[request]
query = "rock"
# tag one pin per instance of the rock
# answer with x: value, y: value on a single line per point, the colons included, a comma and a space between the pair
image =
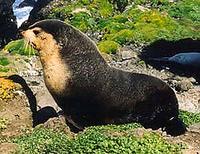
x: 189, y: 100
x: 183, y: 85
x: 127, y: 54
x: 57, y: 124
x: 194, y: 127
x: 40, y: 11
x: 27, y: 3
x: 8, y: 24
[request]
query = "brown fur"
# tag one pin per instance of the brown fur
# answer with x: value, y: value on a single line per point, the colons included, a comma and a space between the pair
x: 89, y: 91
x: 56, y: 72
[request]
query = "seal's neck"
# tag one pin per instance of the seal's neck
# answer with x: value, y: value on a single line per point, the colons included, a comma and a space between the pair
x: 57, y: 75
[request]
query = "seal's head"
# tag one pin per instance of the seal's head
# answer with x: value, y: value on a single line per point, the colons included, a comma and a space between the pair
x: 45, y: 35
x: 51, y: 33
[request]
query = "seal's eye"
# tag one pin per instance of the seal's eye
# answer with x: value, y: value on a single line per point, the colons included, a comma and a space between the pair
x: 36, y: 32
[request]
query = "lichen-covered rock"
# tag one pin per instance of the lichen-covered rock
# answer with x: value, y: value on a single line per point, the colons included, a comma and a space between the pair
x: 8, y: 25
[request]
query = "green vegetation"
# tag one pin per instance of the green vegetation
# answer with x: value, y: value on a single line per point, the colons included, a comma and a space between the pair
x: 162, y: 20
x: 19, y: 47
x: 43, y: 141
x: 186, y: 10
x: 109, y: 47
x: 4, y: 61
x: 103, y: 139
x: 189, y: 118
x: 4, y: 69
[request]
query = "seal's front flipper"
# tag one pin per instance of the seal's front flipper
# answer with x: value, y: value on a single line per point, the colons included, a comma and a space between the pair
x: 73, y: 125
x: 175, y: 127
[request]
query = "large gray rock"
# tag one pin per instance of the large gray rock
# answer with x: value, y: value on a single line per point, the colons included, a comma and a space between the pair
x: 8, y: 24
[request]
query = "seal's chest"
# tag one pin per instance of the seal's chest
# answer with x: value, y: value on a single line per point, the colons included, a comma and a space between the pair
x: 57, y: 78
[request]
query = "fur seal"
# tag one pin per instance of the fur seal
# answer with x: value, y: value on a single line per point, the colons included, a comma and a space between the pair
x: 189, y: 59
x: 90, y: 92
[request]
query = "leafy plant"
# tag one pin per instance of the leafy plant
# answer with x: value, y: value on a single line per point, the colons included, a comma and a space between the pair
x: 43, y: 141
x: 99, y: 139
x: 19, y: 47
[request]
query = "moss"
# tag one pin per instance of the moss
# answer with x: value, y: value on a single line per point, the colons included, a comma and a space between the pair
x: 153, y: 25
x: 160, y: 19
x: 104, y: 7
x: 19, y: 47
x: 122, y: 37
x: 114, y: 27
x: 185, y: 10
x: 146, y: 27
x: 109, y: 47
x: 99, y: 139
x: 189, y: 118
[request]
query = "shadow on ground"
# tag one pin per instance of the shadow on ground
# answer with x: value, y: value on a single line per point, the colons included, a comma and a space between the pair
x: 43, y: 114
